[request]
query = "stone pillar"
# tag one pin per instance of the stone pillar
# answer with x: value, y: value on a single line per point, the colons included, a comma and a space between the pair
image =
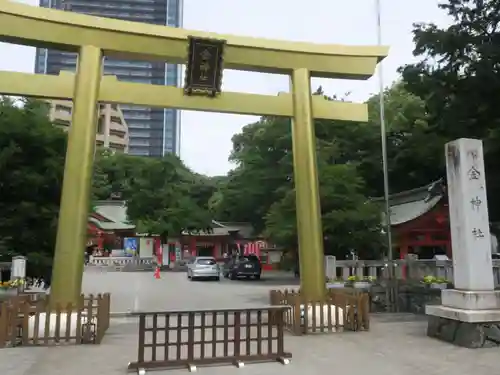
x: 331, y: 267
x: 469, y: 314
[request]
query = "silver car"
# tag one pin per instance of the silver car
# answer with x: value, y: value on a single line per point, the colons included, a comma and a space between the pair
x: 203, y: 268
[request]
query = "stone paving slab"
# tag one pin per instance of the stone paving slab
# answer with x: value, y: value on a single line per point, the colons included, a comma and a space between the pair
x: 396, y: 345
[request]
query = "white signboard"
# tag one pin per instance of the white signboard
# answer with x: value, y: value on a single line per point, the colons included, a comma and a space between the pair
x: 18, y: 270
x: 330, y: 267
x: 146, y: 247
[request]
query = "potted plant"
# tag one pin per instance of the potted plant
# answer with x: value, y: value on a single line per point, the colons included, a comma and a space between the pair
x: 10, y: 287
x: 337, y: 282
x: 359, y: 282
x: 434, y: 282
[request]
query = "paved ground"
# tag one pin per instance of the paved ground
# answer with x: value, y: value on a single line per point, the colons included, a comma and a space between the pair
x: 141, y: 292
x: 395, y: 345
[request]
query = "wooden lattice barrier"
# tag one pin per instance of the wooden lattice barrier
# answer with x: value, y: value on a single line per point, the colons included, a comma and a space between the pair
x: 337, y: 311
x: 25, y: 321
x: 173, y: 339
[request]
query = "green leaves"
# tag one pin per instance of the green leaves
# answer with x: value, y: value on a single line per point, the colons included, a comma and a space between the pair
x: 458, y: 77
x: 261, y: 189
x: 163, y: 196
x: 32, y: 155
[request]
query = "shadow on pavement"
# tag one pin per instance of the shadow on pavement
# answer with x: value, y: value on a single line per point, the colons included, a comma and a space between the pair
x: 270, y: 282
x: 397, y: 318
x: 273, y: 279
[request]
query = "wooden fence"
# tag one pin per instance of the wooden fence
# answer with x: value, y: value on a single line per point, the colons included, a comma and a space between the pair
x: 26, y: 321
x: 338, y: 311
x: 176, y: 339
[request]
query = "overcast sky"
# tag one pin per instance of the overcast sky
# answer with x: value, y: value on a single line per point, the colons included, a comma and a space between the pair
x: 206, y: 137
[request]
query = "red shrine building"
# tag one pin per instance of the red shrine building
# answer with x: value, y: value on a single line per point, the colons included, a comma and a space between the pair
x: 107, y: 225
x: 420, y: 222
x: 226, y: 238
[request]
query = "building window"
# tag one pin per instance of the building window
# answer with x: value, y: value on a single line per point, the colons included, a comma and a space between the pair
x: 100, y: 125
x: 117, y: 146
x: 137, y: 115
x: 138, y: 125
x: 127, y: 64
x: 139, y: 142
x: 63, y: 108
x: 117, y: 133
x: 62, y: 122
x: 139, y: 151
x: 139, y: 134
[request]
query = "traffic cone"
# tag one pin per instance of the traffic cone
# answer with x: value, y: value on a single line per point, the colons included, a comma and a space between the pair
x: 157, y: 273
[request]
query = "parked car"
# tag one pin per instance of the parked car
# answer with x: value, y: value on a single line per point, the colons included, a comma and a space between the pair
x: 203, y: 268
x: 248, y: 266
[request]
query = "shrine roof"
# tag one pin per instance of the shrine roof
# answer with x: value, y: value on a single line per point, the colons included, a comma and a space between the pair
x: 411, y: 204
x: 221, y: 228
x: 115, y: 212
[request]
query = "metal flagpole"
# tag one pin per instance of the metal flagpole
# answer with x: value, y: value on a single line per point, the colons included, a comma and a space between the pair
x: 383, y: 136
x: 391, y: 291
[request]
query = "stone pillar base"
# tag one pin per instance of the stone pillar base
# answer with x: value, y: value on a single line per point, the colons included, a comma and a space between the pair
x: 467, y: 335
x: 467, y: 328
x: 471, y: 300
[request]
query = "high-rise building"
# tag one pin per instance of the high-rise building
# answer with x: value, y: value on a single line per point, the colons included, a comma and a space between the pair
x: 152, y: 132
x: 112, y: 130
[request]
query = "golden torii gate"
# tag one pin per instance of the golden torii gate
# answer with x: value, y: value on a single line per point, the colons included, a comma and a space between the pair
x: 95, y: 37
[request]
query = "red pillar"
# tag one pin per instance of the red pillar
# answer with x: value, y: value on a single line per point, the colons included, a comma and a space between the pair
x: 217, y: 253
x: 158, y: 250
x: 192, y: 246
x: 100, y: 240
x: 403, y: 252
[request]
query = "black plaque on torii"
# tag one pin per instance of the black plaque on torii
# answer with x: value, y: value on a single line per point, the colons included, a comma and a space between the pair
x: 204, y: 66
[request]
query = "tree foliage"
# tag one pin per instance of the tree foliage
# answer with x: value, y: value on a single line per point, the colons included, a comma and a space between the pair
x: 458, y: 78
x: 163, y: 196
x: 261, y: 189
x: 32, y: 155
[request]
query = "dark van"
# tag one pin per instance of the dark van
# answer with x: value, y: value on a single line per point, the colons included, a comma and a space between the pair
x: 248, y: 266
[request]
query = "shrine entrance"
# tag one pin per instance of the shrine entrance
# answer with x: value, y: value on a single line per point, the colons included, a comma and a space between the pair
x: 206, y: 55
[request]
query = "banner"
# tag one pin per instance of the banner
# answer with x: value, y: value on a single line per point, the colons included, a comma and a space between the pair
x: 254, y: 248
x: 130, y: 246
x: 146, y: 247
x: 158, y: 251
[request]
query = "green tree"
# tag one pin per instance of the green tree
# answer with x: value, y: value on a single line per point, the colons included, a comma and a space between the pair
x: 263, y: 154
x: 115, y: 173
x: 350, y: 220
x: 32, y: 155
x: 205, y: 188
x: 458, y: 78
x: 163, y: 196
x: 261, y: 189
